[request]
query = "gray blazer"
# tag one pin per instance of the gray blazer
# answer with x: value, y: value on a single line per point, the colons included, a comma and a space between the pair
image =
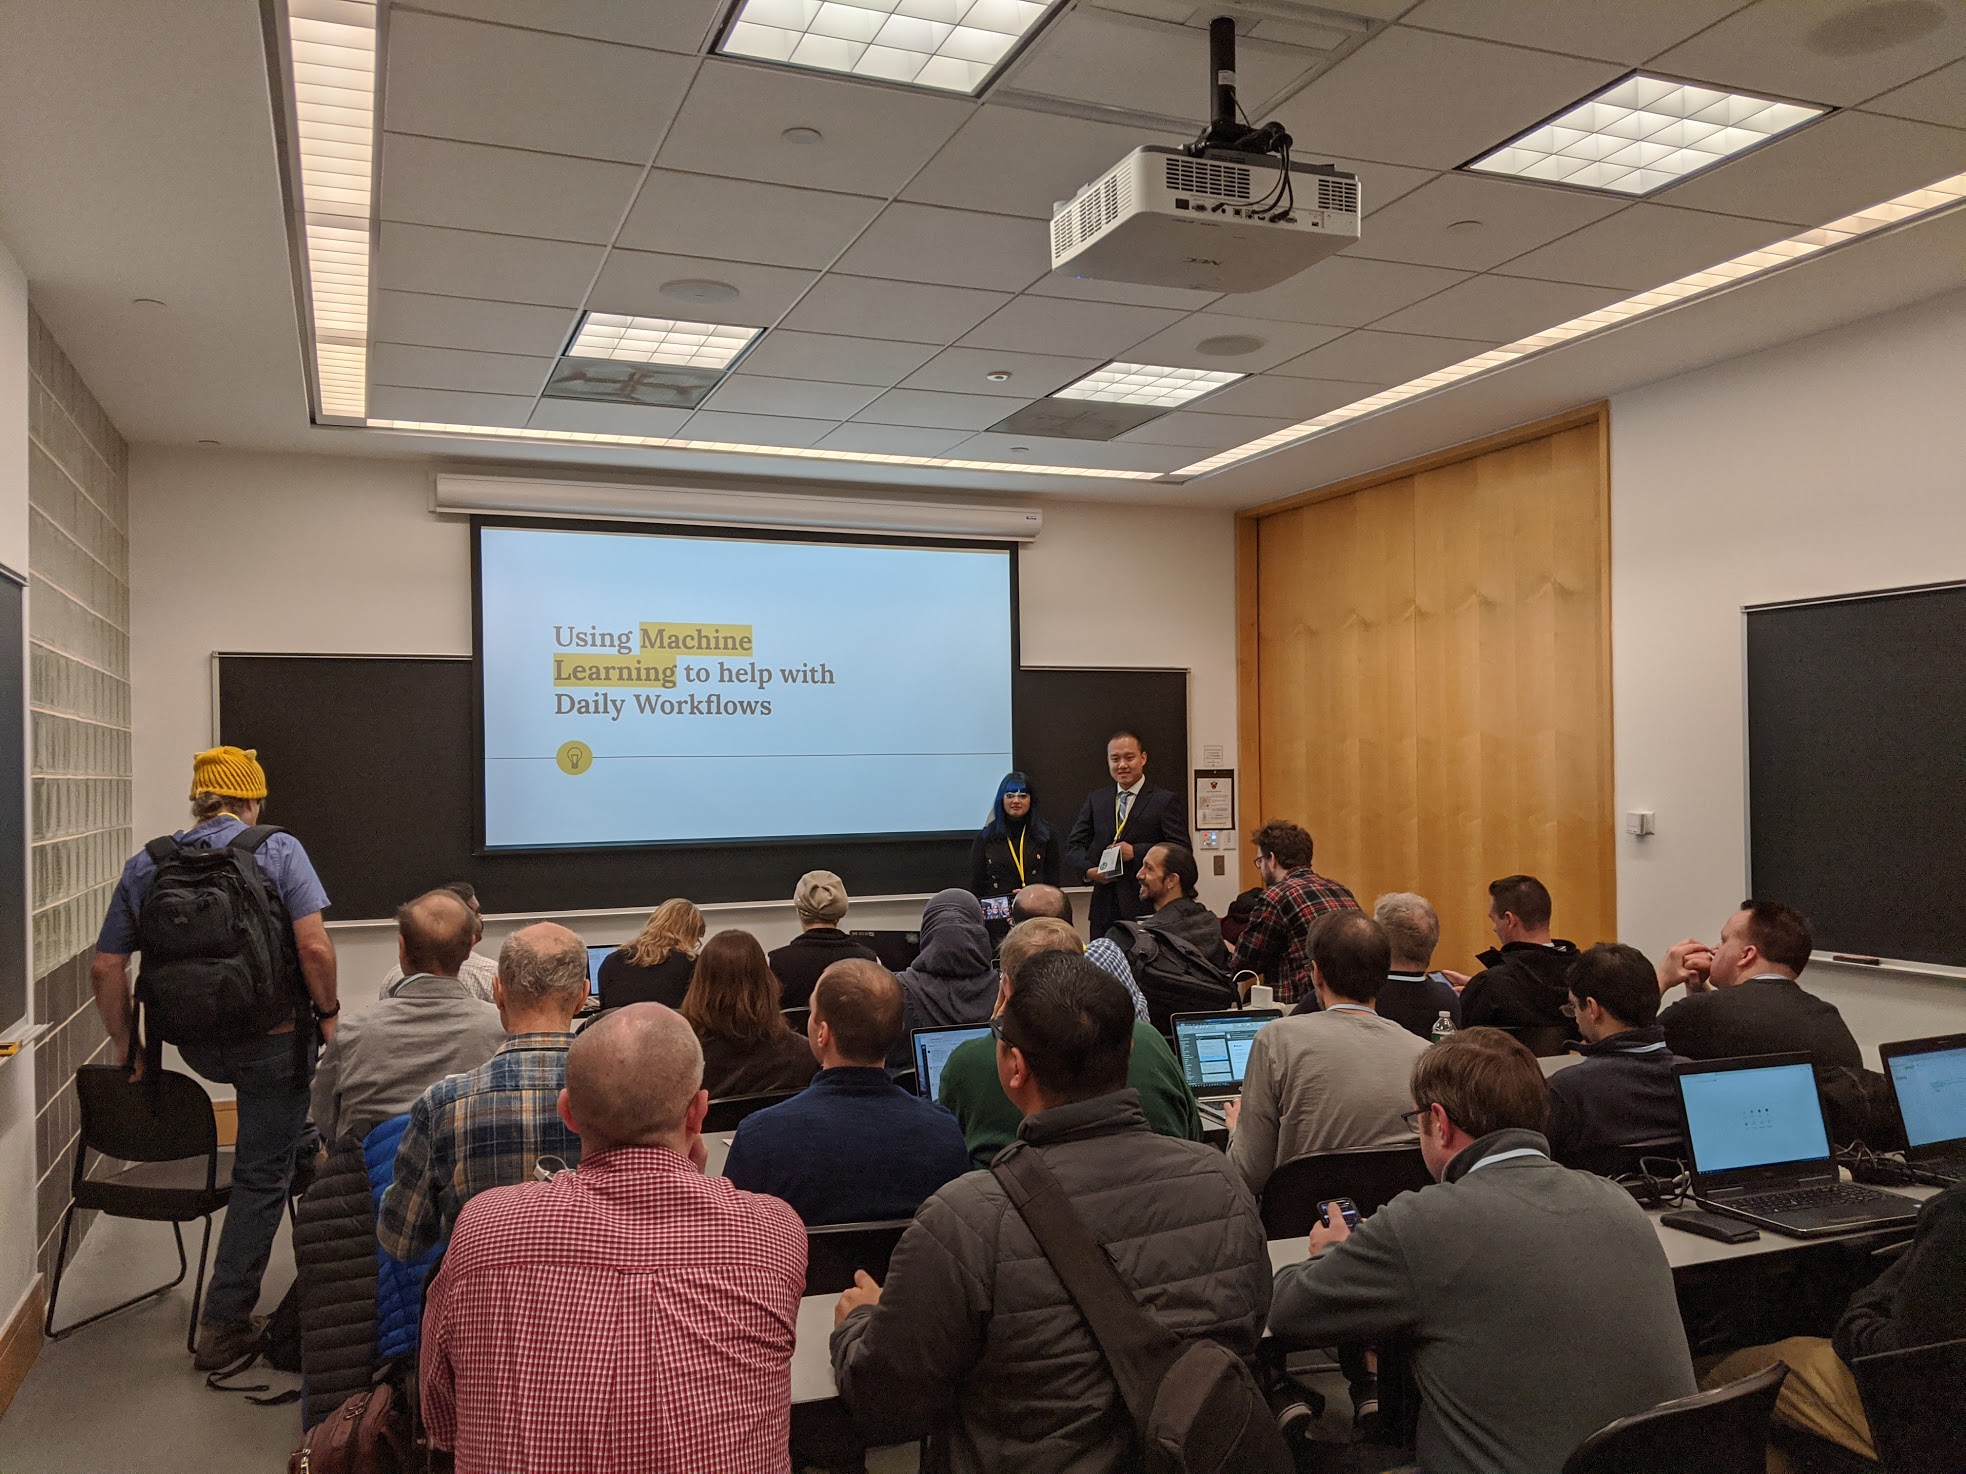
x: 382, y: 1058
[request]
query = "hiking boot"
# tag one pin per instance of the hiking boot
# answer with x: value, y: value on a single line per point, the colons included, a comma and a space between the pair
x: 220, y: 1346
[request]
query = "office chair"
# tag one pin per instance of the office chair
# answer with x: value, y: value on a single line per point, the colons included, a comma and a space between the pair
x: 164, y: 1126
x: 724, y: 1114
x: 1724, y: 1431
x: 835, y: 1251
x: 1915, y: 1401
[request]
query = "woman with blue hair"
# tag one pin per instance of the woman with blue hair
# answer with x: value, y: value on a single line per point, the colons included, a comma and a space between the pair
x: 1016, y: 848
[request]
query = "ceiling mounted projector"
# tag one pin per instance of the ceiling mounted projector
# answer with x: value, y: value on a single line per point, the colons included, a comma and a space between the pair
x: 1229, y: 212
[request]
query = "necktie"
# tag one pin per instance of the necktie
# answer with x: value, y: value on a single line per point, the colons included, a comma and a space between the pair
x: 1125, y: 807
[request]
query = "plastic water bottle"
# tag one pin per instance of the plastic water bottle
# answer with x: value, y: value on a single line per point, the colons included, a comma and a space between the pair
x: 1443, y: 1026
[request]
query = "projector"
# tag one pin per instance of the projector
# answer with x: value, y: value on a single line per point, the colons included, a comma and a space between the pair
x: 1213, y: 221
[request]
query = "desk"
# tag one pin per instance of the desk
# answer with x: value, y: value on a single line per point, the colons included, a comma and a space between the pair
x: 1551, y: 1063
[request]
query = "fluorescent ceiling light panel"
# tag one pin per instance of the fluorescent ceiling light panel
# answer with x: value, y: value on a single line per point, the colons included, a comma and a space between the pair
x: 659, y: 340
x: 1145, y: 383
x: 1943, y: 197
x: 948, y: 45
x: 332, y: 44
x: 1642, y: 134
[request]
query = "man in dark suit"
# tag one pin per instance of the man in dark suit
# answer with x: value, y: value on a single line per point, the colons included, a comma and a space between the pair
x: 1129, y: 814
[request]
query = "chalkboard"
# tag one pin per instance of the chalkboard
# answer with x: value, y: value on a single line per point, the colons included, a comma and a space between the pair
x: 1857, y: 769
x: 368, y: 761
x: 13, y: 809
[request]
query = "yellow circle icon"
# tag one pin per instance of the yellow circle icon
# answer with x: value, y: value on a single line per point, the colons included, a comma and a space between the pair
x: 574, y: 758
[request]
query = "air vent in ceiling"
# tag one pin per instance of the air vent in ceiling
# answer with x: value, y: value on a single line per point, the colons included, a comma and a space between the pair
x: 1077, y: 419
x: 613, y: 381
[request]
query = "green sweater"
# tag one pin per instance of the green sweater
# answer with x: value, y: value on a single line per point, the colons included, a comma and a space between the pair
x: 971, y: 1089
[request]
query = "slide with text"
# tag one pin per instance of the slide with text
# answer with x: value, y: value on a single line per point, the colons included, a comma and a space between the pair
x: 645, y: 688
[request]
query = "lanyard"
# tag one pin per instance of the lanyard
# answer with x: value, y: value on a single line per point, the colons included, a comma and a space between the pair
x: 1017, y: 853
x: 1119, y: 824
x: 1352, y: 1008
x: 1521, y: 1151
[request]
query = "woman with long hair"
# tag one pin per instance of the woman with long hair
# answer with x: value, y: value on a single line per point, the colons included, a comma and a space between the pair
x: 1015, y: 848
x: 748, y: 1048
x: 656, y: 966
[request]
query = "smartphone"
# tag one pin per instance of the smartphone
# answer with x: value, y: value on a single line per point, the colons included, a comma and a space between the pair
x: 1712, y: 1226
x: 1343, y: 1205
x: 996, y: 908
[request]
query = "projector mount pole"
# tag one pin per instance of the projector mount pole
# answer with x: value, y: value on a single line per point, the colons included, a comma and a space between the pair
x: 1226, y: 129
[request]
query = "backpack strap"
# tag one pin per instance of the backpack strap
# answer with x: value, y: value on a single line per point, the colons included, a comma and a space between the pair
x: 1189, y: 953
x: 249, y: 840
x: 162, y: 848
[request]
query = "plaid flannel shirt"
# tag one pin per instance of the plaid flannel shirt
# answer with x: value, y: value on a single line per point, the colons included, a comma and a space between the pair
x: 1277, y: 941
x: 485, y: 1128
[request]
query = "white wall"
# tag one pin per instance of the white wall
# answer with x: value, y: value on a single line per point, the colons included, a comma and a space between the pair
x: 1826, y: 466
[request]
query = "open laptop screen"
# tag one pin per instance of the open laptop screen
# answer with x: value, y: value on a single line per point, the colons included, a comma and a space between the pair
x: 1756, y: 1117
x: 595, y: 957
x: 1214, y: 1048
x: 932, y: 1050
x: 1931, y: 1090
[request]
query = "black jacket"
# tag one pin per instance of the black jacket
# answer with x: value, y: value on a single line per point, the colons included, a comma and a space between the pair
x: 1766, y: 1015
x: 334, y: 1261
x: 993, y: 868
x: 1157, y: 816
x: 1921, y: 1299
x: 798, y: 964
x: 1415, y: 1001
x: 624, y: 982
x: 1522, y: 991
x: 1622, y: 1091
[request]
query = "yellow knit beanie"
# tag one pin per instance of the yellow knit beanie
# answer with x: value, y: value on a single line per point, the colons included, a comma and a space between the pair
x: 229, y: 771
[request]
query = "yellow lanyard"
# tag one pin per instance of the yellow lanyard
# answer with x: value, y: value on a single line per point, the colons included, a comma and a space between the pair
x: 1119, y: 824
x: 1017, y: 853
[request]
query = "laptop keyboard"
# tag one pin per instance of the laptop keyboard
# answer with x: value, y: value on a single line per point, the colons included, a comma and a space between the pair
x: 1802, y: 1199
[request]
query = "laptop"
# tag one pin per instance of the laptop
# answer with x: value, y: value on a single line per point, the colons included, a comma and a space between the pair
x: 1214, y: 1052
x: 595, y: 957
x: 1760, y: 1150
x: 1928, y: 1081
x: 933, y: 1048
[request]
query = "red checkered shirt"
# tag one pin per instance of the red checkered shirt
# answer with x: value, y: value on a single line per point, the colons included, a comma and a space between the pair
x: 1277, y: 941
x: 629, y: 1317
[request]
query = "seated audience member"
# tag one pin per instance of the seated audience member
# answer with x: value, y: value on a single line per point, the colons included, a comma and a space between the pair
x: 1538, y: 1300
x: 1177, y: 919
x: 971, y: 1088
x: 1276, y: 940
x: 1920, y: 1300
x: 425, y: 1026
x: 1742, y: 996
x: 1623, y: 1090
x: 1048, y: 900
x: 1522, y: 990
x: 852, y: 1146
x: 820, y: 900
x: 973, y: 1341
x: 1413, y: 997
x: 632, y: 1314
x: 477, y: 971
x: 952, y: 979
x: 491, y: 1126
x: 1040, y: 900
x: 656, y: 966
x: 1330, y: 1081
x: 748, y: 1048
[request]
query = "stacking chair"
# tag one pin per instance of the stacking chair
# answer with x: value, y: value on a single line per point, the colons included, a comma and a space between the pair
x: 1915, y: 1402
x: 1369, y: 1179
x: 795, y: 1018
x: 835, y: 1251
x: 1724, y: 1431
x: 909, y: 1080
x: 165, y: 1128
x: 726, y: 1113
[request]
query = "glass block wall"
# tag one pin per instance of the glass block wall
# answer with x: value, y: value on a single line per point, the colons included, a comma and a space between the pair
x: 79, y: 696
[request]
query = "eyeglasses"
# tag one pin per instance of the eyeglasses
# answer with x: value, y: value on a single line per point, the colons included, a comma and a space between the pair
x: 997, y: 1033
x: 1568, y: 1010
x: 1412, y: 1117
x: 1017, y: 793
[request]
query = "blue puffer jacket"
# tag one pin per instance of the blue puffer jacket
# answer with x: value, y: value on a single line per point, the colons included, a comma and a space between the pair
x: 398, y: 1285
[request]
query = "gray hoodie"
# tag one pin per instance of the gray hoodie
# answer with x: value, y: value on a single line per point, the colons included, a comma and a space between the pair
x: 954, y: 979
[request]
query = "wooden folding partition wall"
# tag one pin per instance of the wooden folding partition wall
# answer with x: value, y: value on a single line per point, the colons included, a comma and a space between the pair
x: 1424, y: 659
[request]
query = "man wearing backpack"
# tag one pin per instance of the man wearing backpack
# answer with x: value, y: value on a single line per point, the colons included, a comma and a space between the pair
x: 1177, y: 954
x: 239, y: 974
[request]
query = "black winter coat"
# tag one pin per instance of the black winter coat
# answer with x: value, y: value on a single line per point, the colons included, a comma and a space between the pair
x: 334, y: 1257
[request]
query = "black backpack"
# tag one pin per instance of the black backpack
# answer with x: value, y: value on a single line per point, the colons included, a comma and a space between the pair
x: 1195, y: 1405
x: 219, y: 960
x: 1174, y: 975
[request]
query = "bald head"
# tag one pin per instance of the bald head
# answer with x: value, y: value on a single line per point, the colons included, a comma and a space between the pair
x: 543, y: 967
x: 632, y: 1078
x: 1040, y: 900
x: 437, y: 930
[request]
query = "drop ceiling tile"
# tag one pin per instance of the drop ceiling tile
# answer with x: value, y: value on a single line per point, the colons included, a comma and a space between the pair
x: 1046, y: 450
x: 873, y: 139
x: 1413, y: 97
x: 448, y: 406
x: 1822, y: 50
x: 834, y: 360
x: 633, y: 281
x: 463, y: 322
x: 1827, y: 170
x: 469, y: 186
x: 1471, y: 224
x: 1179, y: 346
x: 1062, y: 283
x: 892, y: 440
x: 505, y: 268
x: 1939, y: 98
x: 1017, y: 162
x: 451, y: 368
x: 931, y: 410
x: 1626, y: 33
x: 1054, y: 325
x: 581, y: 97
x: 742, y: 220
x: 672, y: 25
x: 1148, y: 66
x: 958, y: 248
x: 1500, y: 308
x: 732, y: 429
x: 1341, y: 291
x: 609, y: 419
x: 1203, y: 432
x: 1290, y: 400
x: 1378, y: 184
x: 753, y: 394
x: 1644, y: 245
x: 1032, y: 375
x: 859, y: 306
x: 1368, y: 356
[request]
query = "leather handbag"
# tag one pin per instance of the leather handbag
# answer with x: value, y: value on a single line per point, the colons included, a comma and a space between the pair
x: 370, y: 1433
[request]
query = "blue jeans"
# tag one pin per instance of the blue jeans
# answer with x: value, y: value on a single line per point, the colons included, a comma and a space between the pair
x: 272, y: 1090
